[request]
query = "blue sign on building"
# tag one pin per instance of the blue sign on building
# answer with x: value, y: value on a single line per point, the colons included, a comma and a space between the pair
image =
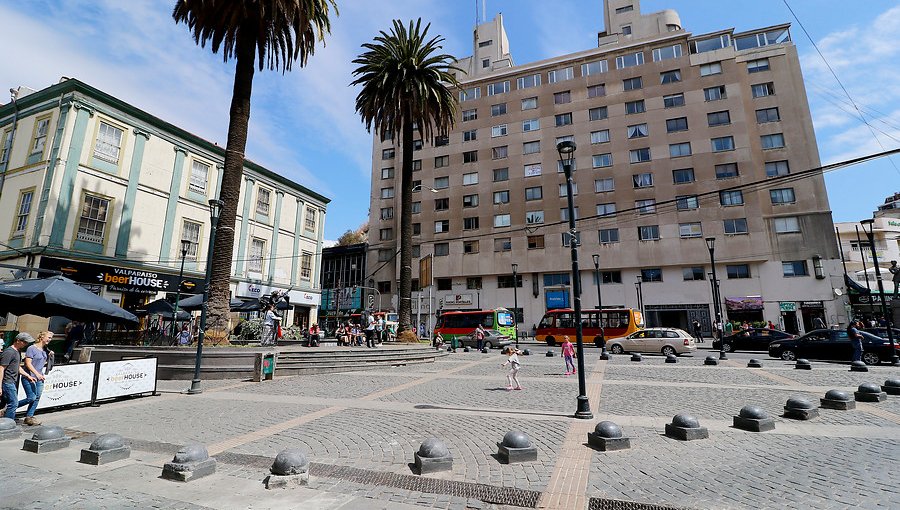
x: 557, y: 299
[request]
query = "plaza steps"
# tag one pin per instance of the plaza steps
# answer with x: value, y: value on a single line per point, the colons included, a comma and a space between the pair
x: 321, y: 360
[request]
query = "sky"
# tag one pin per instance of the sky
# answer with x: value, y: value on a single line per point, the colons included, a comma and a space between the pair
x: 303, y: 123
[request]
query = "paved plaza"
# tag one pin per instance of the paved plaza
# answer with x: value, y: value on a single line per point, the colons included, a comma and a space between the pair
x: 360, y: 430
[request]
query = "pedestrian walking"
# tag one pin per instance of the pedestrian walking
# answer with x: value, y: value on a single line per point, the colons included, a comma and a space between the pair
x: 271, y: 322
x: 10, y: 370
x: 856, y: 339
x: 895, y: 272
x: 379, y: 329
x: 513, y: 361
x: 698, y: 330
x: 36, y: 361
x: 74, y: 337
x: 729, y: 328
x: 568, y: 353
x: 370, y: 331
x: 422, y: 330
x: 479, y: 337
x: 438, y: 341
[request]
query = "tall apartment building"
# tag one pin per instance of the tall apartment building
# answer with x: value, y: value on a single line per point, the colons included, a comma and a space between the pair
x: 679, y: 137
x: 105, y: 192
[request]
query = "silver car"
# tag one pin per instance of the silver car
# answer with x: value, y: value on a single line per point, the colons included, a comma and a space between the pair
x: 662, y: 340
x: 492, y: 339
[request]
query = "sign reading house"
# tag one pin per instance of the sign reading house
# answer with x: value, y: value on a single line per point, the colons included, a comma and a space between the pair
x: 129, y: 377
x: 122, y: 279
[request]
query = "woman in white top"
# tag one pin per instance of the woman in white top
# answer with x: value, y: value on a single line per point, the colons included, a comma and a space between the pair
x: 513, y: 362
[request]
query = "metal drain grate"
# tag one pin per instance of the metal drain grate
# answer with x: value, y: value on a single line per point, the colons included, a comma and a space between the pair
x: 618, y: 504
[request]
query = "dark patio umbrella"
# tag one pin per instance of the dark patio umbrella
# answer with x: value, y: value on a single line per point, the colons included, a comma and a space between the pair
x: 165, y: 309
x: 195, y: 302
x: 59, y: 296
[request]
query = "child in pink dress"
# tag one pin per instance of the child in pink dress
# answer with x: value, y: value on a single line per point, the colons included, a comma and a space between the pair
x: 568, y: 352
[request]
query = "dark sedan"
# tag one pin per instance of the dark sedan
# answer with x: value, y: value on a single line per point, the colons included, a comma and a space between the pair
x: 831, y: 344
x: 754, y: 339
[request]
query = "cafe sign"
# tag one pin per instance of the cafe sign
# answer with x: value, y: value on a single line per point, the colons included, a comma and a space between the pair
x: 121, y: 279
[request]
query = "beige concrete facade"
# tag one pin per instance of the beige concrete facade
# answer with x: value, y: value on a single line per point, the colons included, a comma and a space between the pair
x: 665, y: 138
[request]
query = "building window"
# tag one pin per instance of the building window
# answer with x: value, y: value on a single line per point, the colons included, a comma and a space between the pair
x: 683, y: 175
x: 731, y: 197
x: 757, y: 40
x: 306, y: 266
x: 441, y: 182
x: 470, y: 156
x: 502, y: 244
x: 501, y: 174
x: 473, y: 283
x: 416, y: 207
x: 630, y: 60
x: 635, y: 83
x: 534, y: 193
x: 693, y: 273
x: 384, y: 287
x: 647, y: 206
x: 596, y: 90
x: 564, y: 191
x: 441, y: 204
x: 501, y: 87
x: 501, y: 220
x: 483, y: 44
x: 469, y: 94
x: 673, y: 100
x: 626, y: 29
x: 470, y: 200
x: 558, y: 75
x: 470, y: 178
x: 567, y: 239
x: 92, y: 224
x: 715, y: 93
x: 601, y: 160
x: 678, y: 150
x: 387, y: 192
x: 388, y: 173
x: 439, y: 162
x: 109, y: 143
x: 687, y: 202
x: 41, y: 127
x: 470, y: 135
x: 736, y: 226
x: 5, y: 145
x: 470, y: 247
x: 786, y: 225
x: 416, y: 187
x: 724, y: 143
x: 563, y: 119
x: 652, y: 274
x: 263, y: 198
x: 601, y: 136
x: 726, y: 171
x: 468, y: 115
x: 22, y: 212
x: 592, y: 68
x: 310, y: 219
x: 416, y: 253
x: 777, y: 168
x: 534, y: 217
x: 606, y: 209
x: 498, y: 109
x: 758, y: 66
x: 441, y: 226
x: 416, y: 165
x: 499, y: 130
x: 604, y: 185
x: 670, y: 77
x: 763, y: 89
x: 610, y: 277
x: 564, y: 214
x: 688, y: 230
x: 609, y: 235
x: 387, y: 213
x: 711, y: 68
x: 648, y: 233
x: 632, y: 107
x: 385, y: 234
x: 639, y: 155
x: 598, y: 113
x: 501, y: 197
x: 385, y: 255
x: 257, y: 254
x: 526, y: 82
x: 676, y: 125
x: 562, y: 97
x: 506, y: 281
x: 531, y: 125
x: 782, y: 196
x: 441, y: 249
x: 718, y: 118
x: 666, y: 53
x: 441, y: 140
x: 387, y: 154
x: 794, y: 268
x: 529, y: 103
x: 638, y: 131
x: 775, y: 141
x: 713, y: 43
x: 501, y: 152
x: 535, y: 242
x: 417, y: 229
x: 767, y: 115
x: 533, y: 170
x: 417, y: 145
x: 737, y: 271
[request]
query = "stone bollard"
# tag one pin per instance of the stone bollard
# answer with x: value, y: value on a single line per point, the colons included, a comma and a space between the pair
x: 516, y: 447
x: 891, y: 387
x: 671, y: 358
x: 607, y: 437
x: 711, y: 361
x: 290, y: 469
x: 526, y: 352
x: 191, y: 462
x: 636, y: 357
x: 433, y: 456
x: 800, y: 409
x: 754, y: 363
x: 550, y: 354
x: 9, y: 429
x: 465, y: 349
x: 858, y: 366
x: 47, y: 439
x: 837, y: 400
x: 869, y: 392
x: 753, y: 419
x: 484, y: 350
x: 802, y: 364
x: 686, y: 428
x: 106, y: 448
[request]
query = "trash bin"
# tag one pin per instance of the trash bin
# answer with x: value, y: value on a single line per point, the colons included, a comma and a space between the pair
x: 8, y: 337
x: 454, y: 342
x: 264, y: 366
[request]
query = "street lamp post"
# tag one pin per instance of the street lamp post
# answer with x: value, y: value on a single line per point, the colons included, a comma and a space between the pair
x: 603, y: 354
x: 185, y: 246
x: 515, y: 268
x: 215, y: 208
x: 639, y: 285
x: 870, y: 234
x: 711, y: 246
x: 566, y: 150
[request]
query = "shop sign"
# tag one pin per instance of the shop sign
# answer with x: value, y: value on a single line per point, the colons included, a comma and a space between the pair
x: 130, y: 377
x: 121, y: 279
x: 874, y: 299
x: 256, y: 290
x: 556, y: 299
x: 892, y: 223
x: 676, y: 307
x: 811, y: 304
x: 458, y: 299
x: 787, y: 306
x: 744, y: 303
x: 67, y: 385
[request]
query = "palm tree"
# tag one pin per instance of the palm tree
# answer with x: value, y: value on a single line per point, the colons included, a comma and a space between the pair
x: 405, y: 83
x: 280, y: 32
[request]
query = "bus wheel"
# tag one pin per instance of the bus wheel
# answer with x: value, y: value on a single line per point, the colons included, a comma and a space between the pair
x: 551, y: 341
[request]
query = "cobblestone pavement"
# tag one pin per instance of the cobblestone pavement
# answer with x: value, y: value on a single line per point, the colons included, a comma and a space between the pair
x: 360, y: 430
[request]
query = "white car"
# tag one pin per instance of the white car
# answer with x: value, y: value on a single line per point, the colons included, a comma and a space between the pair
x: 663, y: 340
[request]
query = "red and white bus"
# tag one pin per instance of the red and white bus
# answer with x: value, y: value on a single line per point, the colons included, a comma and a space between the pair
x: 616, y: 322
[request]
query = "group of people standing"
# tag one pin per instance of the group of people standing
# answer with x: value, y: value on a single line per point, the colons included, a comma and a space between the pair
x: 373, y: 329
x: 38, y: 363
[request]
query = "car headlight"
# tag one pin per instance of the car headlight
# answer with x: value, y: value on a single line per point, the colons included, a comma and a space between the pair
x: 774, y: 346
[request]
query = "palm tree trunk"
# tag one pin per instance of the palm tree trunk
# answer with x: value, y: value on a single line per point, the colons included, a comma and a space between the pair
x: 239, y: 117
x: 405, y: 311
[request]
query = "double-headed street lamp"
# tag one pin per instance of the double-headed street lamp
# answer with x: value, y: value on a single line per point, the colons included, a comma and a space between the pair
x: 711, y: 246
x: 603, y: 354
x: 215, y: 209
x: 185, y: 247
x: 870, y: 234
x: 515, y: 268
x: 566, y: 150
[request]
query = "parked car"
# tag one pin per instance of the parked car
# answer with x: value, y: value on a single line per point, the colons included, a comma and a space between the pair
x: 662, y: 340
x: 882, y: 332
x: 831, y: 344
x: 492, y: 338
x: 754, y: 339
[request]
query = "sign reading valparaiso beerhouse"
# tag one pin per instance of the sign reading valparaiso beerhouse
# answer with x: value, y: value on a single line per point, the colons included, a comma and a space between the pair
x: 122, y: 279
